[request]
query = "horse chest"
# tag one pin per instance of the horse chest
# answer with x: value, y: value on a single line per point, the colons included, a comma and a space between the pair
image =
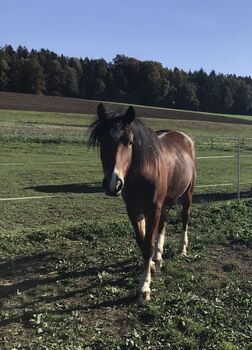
x: 140, y: 190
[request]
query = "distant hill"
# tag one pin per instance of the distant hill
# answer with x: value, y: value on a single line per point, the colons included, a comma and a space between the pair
x: 28, y: 102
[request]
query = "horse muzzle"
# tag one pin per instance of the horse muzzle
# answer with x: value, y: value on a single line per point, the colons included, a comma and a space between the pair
x: 113, y: 187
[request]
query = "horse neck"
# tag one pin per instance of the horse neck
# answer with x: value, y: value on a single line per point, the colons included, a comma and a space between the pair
x: 142, y: 168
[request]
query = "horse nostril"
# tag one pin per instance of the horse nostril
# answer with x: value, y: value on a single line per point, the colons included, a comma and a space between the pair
x: 119, y: 185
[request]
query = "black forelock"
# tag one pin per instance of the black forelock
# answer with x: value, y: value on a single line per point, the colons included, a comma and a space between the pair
x: 146, y: 144
x: 101, y: 128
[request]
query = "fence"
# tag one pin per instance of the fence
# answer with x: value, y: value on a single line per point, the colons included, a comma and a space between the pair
x: 230, y: 160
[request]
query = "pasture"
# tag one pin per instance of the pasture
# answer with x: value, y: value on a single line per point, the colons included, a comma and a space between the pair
x: 69, y: 263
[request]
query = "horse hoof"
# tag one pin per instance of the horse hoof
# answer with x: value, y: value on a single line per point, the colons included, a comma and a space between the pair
x: 183, y: 253
x: 159, y: 263
x: 144, y: 297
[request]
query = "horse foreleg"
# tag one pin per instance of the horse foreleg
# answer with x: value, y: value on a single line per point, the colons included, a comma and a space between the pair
x: 138, y: 223
x: 152, y: 223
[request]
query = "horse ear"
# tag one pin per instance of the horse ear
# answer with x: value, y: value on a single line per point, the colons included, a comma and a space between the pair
x: 101, y: 111
x: 130, y: 115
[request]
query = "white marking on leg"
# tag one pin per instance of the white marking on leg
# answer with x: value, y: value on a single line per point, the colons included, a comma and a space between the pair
x: 184, y: 242
x: 142, y: 226
x: 159, y: 247
x: 145, y: 282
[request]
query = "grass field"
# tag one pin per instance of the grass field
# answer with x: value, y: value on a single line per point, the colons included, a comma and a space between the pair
x: 69, y: 265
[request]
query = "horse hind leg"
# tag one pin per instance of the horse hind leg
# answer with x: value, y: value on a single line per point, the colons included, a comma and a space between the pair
x: 186, y: 202
x: 159, y: 245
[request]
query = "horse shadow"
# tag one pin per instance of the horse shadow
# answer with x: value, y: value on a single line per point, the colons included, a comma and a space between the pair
x: 95, y: 187
x: 219, y: 196
x: 29, y: 275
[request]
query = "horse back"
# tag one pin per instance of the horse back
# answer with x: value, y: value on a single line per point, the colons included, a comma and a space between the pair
x: 177, y: 141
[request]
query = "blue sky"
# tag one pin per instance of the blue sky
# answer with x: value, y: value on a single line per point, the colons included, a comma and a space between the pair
x: 188, y: 34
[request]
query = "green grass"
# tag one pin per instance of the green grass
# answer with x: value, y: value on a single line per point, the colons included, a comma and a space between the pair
x: 69, y: 263
x: 201, y: 128
x: 49, y: 118
x: 73, y: 286
x: 38, y: 122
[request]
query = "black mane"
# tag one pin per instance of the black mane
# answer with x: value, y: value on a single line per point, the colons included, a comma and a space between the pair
x: 146, y: 144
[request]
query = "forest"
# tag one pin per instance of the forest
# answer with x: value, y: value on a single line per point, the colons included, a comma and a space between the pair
x: 125, y: 79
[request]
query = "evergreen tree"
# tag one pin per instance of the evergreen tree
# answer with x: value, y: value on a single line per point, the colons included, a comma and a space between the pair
x: 242, y: 98
x: 70, y: 83
x: 4, y: 67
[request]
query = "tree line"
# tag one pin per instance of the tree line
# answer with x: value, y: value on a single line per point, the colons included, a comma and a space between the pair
x: 125, y: 79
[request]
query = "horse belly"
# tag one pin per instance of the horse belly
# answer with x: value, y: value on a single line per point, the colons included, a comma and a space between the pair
x: 180, y: 178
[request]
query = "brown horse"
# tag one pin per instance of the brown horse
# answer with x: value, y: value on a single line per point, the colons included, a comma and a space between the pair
x: 150, y: 169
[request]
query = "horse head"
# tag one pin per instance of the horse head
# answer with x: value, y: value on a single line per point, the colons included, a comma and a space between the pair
x: 114, y: 135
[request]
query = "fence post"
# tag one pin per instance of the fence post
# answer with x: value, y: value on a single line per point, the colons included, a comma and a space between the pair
x: 238, y: 168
